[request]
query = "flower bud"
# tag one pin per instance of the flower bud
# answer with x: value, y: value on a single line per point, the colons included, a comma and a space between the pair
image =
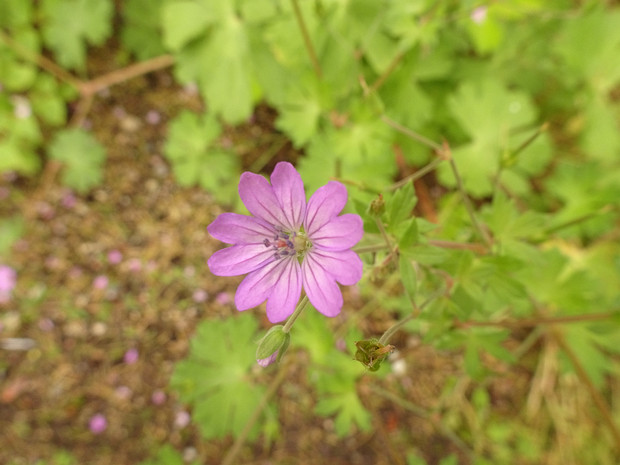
x: 272, y: 346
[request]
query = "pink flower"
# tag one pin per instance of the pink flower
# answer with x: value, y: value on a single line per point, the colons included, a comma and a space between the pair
x: 479, y: 14
x: 115, y: 257
x: 131, y: 356
x: 100, y: 282
x: 8, y: 279
x: 288, y: 245
x: 98, y: 423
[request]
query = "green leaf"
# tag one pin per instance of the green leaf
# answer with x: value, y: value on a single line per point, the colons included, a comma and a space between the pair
x: 21, y: 138
x: 166, y: 455
x: 11, y: 229
x: 47, y: 102
x: 220, y: 62
x: 196, y: 159
x: 590, y: 44
x: 15, y: 13
x: 184, y: 21
x: 141, y: 33
x: 489, y: 113
x: 408, y: 277
x: 15, y: 74
x: 588, y: 345
x: 214, y: 377
x: 301, y: 109
x: 399, y: 206
x: 83, y: 158
x: 348, y: 409
x: 70, y: 25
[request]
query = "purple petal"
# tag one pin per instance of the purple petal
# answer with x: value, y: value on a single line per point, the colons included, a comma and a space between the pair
x: 260, y: 200
x: 265, y: 362
x: 289, y: 190
x: 324, y: 205
x: 257, y: 286
x: 239, y: 259
x: 232, y: 228
x: 341, y: 233
x: 321, y: 287
x: 285, y: 294
x: 345, y: 265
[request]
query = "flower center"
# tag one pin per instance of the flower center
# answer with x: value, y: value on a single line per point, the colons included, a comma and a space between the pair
x: 286, y: 245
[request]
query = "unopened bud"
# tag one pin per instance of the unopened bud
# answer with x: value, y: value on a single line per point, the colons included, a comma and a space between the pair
x: 272, y: 346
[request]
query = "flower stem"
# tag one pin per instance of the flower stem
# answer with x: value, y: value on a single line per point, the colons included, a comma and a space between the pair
x: 417, y: 175
x: 395, y: 327
x: 468, y: 205
x: 414, y: 135
x: 307, y: 41
x: 300, y: 307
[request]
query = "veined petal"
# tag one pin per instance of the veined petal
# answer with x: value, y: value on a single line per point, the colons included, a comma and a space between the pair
x: 259, y: 198
x: 233, y: 228
x: 321, y: 287
x: 341, y: 233
x: 344, y: 265
x: 324, y: 205
x: 289, y: 190
x: 257, y: 286
x: 239, y: 259
x: 285, y: 293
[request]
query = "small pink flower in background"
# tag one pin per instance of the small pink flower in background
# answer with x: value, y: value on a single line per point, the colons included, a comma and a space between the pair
x: 134, y: 265
x: 158, y: 397
x: 100, y: 282
x: 223, y: 298
x: 68, y: 200
x: 131, y: 356
x: 115, y: 257
x: 479, y: 14
x: 288, y: 244
x: 182, y: 419
x: 98, y: 424
x: 8, y: 280
x: 123, y: 392
x: 200, y: 296
x: 4, y: 193
x: 153, y: 117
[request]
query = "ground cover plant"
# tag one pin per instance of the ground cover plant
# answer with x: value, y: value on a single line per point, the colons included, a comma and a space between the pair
x: 419, y: 215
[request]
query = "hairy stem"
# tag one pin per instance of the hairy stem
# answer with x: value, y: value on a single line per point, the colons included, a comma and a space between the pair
x: 532, y: 322
x: 121, y: 75
x: 468, y: 205
x: 417, y: 175
x: 414, y: 135
x: 41, y: 61
x: 306, y: 37
x: 300, y: 307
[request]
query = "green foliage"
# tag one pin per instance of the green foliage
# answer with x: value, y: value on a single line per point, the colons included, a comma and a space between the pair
x: 82, y: 157
x: 166, y: 455
x: 141, y: 33
x: 90, y: 24
x: 196, y: 158
x: 214, y: 377
x: 333, y: 374
x: 11, y: 229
